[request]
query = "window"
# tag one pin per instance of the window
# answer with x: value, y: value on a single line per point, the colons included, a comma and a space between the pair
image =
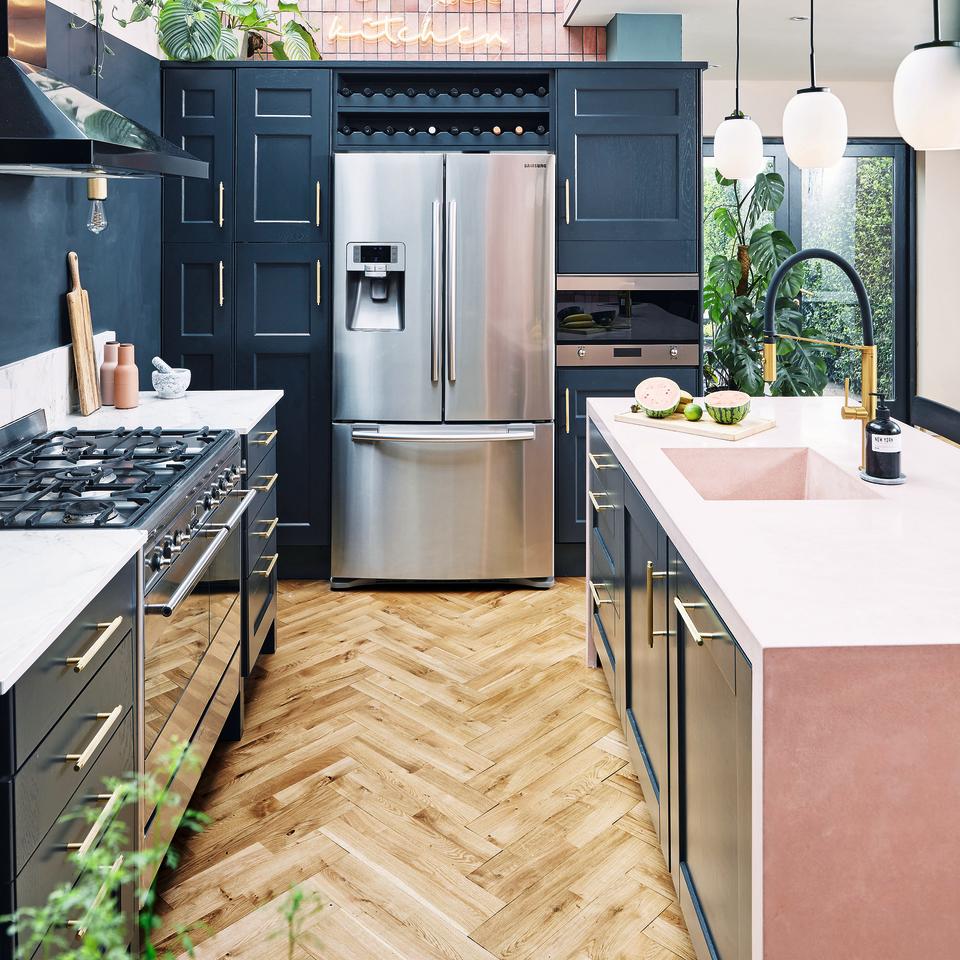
x: 859, y: 209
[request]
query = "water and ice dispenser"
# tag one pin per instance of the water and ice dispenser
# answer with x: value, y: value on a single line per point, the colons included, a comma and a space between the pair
x: 375, y: 274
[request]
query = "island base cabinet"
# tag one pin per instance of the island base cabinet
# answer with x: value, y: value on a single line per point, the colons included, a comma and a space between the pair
x: 714, y: 741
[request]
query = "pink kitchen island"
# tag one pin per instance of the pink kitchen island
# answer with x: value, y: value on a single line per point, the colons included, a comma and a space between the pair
x: 782, y: 641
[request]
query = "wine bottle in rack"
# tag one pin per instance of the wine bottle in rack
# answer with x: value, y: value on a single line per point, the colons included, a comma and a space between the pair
x: 518, y: 130
x: 432, y: 92
x: 455, y: 131
x: 390, y: 92
x: 476, y: 131
x: 497, y: 131
x: 497, y: 92
x: 346, y: 92
x: 518, y: 92
x: 412, y: 131
x: 475, y: 92
x: 432, y: 130
x: 368, y: 91
x: 454, y: 92
x: 541, y: 91
x: 541, y: 129
x: 346, y: 129
x: 389, y: 131
x: 411, y: 92
x: 368, y: 130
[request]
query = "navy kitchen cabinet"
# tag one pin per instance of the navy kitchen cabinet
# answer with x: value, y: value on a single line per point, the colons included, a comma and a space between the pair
x: 199, y: 116
x: 283, y: 155
x: 197, y: 312
x: 574, y: 386
x: 628, y: 170
x: 283, y: 342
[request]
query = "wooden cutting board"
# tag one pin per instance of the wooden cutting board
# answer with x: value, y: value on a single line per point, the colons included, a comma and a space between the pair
x: 751, y: 424
x: 81, y: 332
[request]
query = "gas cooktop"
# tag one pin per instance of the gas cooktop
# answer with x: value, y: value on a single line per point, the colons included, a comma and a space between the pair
x: 73, y: 477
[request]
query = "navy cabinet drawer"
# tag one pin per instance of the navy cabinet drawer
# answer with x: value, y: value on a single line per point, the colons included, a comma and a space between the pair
x: 262, y: 583
x: 261, y: 527
x: 42, y: 694
x: 263, y: 478
x: 260, y: 441
x: 47, y: 781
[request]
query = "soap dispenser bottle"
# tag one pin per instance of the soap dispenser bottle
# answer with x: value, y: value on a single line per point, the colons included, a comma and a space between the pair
x: 883, y: 447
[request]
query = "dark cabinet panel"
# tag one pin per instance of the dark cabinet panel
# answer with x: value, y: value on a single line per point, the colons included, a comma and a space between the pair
x: 628, y: 169
x: 574, y: 386
x: 283, y: 155
x: 198, y: 115
x: 283, y: 342
x: 198, y: 310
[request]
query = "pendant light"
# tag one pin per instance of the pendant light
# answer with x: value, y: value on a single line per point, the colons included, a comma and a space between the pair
x: 738, y: 143
x: 814, y: 122
x: 926, y: 93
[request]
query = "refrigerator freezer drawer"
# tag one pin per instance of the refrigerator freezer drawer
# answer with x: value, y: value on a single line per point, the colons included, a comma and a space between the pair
x: 442, y: 501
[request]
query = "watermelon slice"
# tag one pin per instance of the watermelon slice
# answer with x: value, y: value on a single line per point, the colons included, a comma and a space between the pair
x: 727, y: 406
x: 658, y: 397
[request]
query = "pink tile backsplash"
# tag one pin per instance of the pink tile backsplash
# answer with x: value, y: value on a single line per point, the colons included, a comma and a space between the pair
x: 530, y: 30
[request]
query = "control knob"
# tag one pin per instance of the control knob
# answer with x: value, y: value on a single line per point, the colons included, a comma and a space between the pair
x: 158, y: 561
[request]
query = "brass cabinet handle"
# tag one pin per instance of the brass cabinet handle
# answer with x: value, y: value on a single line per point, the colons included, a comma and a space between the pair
x: 596, y: 596
x: 567, y: 395
x: 80, y: 760
x: 221, y: 283
x: 318, y: 283
x: 268, y: 486
x: 221, y: 205
x: 80, y: 663
x: 682, y: 609
x: 596, y: 503
x: 273, y: 562
x: 597, y: 465
x: 86, y: 845
x: 651, y: 576
x: 566, y: 189
x: 270, y: 437
x: 318, y: 203
x: 81, y: 925
x: 271, y: 526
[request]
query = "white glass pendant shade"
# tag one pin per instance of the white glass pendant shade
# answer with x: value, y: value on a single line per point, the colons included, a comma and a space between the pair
x: 926, y: 98
x: 815, y: 129
x: 738, y: 148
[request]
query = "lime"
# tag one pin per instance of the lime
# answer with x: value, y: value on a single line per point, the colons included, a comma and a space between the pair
x: 693, y: 411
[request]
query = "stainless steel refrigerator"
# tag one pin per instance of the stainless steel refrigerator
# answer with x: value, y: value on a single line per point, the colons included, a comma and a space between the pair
x: 443, y: 381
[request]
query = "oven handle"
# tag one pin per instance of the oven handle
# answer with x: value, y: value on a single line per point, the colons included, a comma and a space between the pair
x: 186, y: 588
x: 248, y: 497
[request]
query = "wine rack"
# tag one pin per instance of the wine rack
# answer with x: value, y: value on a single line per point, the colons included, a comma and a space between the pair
x: 449, y: 110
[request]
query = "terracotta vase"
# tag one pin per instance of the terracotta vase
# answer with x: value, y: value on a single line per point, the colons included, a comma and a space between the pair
x: 107, y: 370
x: 126, y: 379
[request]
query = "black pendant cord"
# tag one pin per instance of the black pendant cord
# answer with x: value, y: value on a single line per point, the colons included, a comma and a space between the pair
x: 937, y: 40
x: 936, y: 21
x: 736, y: 108
x: 813, y: 56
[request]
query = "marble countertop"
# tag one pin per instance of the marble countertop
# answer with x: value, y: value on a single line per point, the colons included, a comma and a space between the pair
x: 47, y: 577
x: 807, y: 573
x: 239, y: 410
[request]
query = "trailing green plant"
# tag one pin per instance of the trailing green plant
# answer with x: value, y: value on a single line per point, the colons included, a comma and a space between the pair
x: 215, y: 29
x: 85, y: 920
x: 735, y: 292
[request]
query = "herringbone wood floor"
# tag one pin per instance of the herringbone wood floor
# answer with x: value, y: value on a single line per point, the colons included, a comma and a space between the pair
x: 445, y: 777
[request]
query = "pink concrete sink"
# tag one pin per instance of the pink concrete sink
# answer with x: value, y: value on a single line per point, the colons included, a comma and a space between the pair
x: 766, y: 473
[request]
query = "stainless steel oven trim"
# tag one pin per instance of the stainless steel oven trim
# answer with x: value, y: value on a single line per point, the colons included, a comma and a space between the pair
x: 199, y: 568
x: 630, y: 281
x: 651, y: 355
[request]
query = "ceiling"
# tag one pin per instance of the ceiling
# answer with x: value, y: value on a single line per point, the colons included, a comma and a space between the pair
x: 855, y: 39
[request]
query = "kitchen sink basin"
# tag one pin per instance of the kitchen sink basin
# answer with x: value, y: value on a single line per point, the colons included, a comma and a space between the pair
x: 766, y: 473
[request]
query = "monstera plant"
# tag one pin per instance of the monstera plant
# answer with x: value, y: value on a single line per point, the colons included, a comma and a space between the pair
x: 224, y: 29
x: 735, y: 292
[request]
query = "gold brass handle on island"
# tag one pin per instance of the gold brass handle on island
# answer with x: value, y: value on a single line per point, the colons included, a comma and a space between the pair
x: 318, y: 283
x: 220, y: 298
x: 268, y: 486
x: 81, y: 925
x: 597, y: 465
x: 651, y: 576
x: 682, y: 609
x: 80, y: 760
x: 80, y: 663
x: 268, y: 439
x: 86, y: 845
x: 273, y: 562
x: 220, y: 216
x: 318, y: 204
x: 596, y: 595
x: 566, y: 193
x: 271, y: 526
x: 596, y: 503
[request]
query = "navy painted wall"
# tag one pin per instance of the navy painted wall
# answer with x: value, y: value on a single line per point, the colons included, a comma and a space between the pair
x: 42, y: 218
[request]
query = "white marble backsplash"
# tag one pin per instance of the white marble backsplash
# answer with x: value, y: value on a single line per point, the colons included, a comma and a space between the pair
x: 45, y: 380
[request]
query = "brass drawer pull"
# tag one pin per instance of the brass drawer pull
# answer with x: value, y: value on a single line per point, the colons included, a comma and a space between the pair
x: 682, y: 609
x: 270, y: 566
x: 318, y: 203
x: 80, y: 663
x: 318, y: 283
x: 270, y: 437
x: 81, y: 925
x: 221, y: 204
x: 268, y: 486
x: 597, y: 465
x: 566, y: 190
x: 86, y: 845
x: 271, y: 526
x: 651, y: 576
x: 596, y: 595
x: 221, y: 284
x: 596, y: 503
x: 567, y: 393
x: 80, y: 760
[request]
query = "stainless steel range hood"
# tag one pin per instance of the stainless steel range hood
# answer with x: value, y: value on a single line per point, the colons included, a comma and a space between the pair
x: 49, y: 128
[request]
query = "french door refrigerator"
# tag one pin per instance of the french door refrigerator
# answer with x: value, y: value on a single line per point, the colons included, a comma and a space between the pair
x: 443, y: 379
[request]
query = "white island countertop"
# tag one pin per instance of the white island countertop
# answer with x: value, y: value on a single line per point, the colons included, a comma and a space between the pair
x: 807, y: 573
x: 47, y: 577
x: 239, y: 410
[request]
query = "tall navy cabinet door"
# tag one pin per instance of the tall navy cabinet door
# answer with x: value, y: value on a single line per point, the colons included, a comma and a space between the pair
x: 283, y: 155
x: 283, y: 321
x: 574, y: 386
x: 198, y: 115
x: 198, y: 309
x: 628, y: 170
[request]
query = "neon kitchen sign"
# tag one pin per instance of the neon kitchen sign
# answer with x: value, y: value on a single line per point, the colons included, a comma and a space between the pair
x: 396, y: 31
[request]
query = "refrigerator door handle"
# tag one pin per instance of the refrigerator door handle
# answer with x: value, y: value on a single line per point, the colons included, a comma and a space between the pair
x: 437, y: 296
x: 463, y: 436
x: 452, y: 291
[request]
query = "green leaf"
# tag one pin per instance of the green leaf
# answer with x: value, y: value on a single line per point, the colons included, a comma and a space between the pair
x: 722, y: 180
x: 189, y: 29
x: 723, y: 272
x: 293, y: 7
x: 297, y: 43
x: 278, y: 51
x: 769, y: 191
x: 238, y: 10
x: 769, y: 247
x: 229, y: 46
x: 725, y: 220
x: 140, y: 12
